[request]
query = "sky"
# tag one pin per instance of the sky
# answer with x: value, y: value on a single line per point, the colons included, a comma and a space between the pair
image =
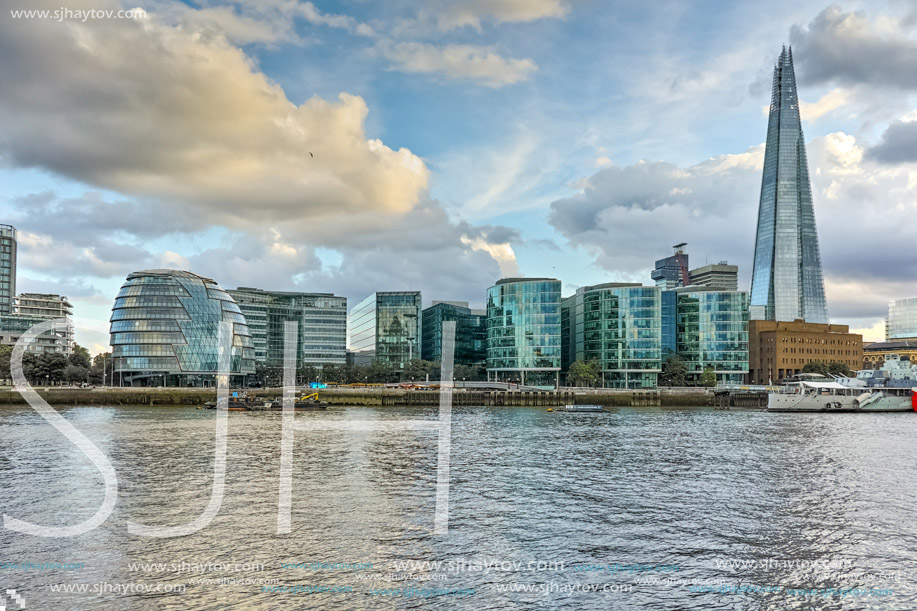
x: 356, y: 146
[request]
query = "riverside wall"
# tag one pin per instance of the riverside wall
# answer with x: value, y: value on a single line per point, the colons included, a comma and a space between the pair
x: 374, y: 397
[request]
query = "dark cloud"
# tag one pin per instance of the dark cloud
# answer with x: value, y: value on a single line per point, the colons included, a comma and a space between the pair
x: 848, y: 49
x: 898, y: 144
x: 499, y: 234
x: 628, y: 216
x: 85, y: 218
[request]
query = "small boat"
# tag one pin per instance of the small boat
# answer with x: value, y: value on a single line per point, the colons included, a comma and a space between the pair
x: 237, y: 403
x: 584, y: 408
x: 310, y: 403
x: 305, y: 403
x: 245, y: 403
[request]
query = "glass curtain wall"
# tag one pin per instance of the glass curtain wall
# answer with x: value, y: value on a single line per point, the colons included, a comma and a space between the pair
x: 165, y: 330
x: 524, y: 331
x: 713, y: 332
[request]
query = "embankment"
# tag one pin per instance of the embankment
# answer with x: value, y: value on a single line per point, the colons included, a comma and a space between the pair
x: 371, y: 397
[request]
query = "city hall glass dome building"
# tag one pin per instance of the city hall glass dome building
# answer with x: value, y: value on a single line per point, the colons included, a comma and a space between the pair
x: 165, y: 330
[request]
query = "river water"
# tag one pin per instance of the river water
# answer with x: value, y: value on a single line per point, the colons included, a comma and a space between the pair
x: 642, y: 508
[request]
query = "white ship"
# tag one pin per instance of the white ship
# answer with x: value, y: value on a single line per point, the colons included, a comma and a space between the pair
x: 893, y: 388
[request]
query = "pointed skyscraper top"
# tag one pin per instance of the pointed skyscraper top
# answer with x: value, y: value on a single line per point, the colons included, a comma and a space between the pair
x: 787, y: 280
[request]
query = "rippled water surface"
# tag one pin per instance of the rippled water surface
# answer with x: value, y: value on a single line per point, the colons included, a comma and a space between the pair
x: 682, y: 500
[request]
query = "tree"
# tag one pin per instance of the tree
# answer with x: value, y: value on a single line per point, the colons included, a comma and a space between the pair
x: 100, y: 372
x: 50, y: 367
x: 30, y: 366
x: 79, y: 357
x: 839, y: 369
x: 380, y: 371
x: 5, y: 353
x: 75, y: 374
x: 708, y: 377
x: 674, y: 372
x: 418, y: 370
x: 469, y: 373
x: 583, y: 373
x: 819, y: 367
x: 268, y: 375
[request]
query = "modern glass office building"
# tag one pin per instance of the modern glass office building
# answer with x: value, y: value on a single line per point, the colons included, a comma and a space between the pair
x: 712, y: 331
x: 523, y: 331
x: 619, y: 327
x: 386, y: 327
x: 8, y: 246
x: 787, y: 281
x: 470, y: 332
x: 321, y: 319
x: 902, y: 319
x: 165, y: 330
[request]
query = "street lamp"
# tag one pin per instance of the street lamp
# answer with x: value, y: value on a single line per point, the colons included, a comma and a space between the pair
x: 409, y: 338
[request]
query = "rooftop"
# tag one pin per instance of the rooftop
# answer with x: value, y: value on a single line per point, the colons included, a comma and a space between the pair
x: 516, y: 280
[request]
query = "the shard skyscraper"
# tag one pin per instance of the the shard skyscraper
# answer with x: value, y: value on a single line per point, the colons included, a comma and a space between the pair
x: 787, y: 280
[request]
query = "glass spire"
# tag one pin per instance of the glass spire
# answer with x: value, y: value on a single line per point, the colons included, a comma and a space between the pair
x: 787, y: 280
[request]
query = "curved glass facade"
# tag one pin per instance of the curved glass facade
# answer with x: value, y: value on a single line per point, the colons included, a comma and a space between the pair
x: 523, y: 331
x: 620, y: 327
x: 165, y: 330
x: 713, y: 332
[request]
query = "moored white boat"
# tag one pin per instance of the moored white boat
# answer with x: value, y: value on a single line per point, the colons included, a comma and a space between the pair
x: 892, y: 388
x: 836, y: 397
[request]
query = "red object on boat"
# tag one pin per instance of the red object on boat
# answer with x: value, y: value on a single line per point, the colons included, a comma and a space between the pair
x: 914, y: 399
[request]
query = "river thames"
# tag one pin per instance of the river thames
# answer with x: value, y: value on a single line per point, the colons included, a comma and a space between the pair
x: 635, y: 508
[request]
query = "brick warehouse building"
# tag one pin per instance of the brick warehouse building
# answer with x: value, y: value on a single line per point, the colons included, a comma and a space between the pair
x: 780, y: 349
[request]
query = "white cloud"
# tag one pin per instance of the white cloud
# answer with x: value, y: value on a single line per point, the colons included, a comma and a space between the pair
x: 183, y: 116
x: 265, y: 22
x: 478, y: 64
x: 834, y: 99
x: 461, y: 13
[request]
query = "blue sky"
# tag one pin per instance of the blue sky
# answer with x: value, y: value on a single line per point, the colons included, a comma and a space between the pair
x: 451, y: 142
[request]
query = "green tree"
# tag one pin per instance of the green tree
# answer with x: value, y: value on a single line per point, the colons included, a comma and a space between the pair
x: 74, y: 374
x: 819, y: 367
x: 469, y: 373
x: 30, y: 366
x: 5, y: 353
x: 674, y: 372
x: 839, y: 369
x: 380, y: 372
x: 708, y: 377
x: 418, y: 370
x: 50, y: 367
x: 268, y: 375
x: 100, y: 372
x: 80, y: 357
x: 583, y: 373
